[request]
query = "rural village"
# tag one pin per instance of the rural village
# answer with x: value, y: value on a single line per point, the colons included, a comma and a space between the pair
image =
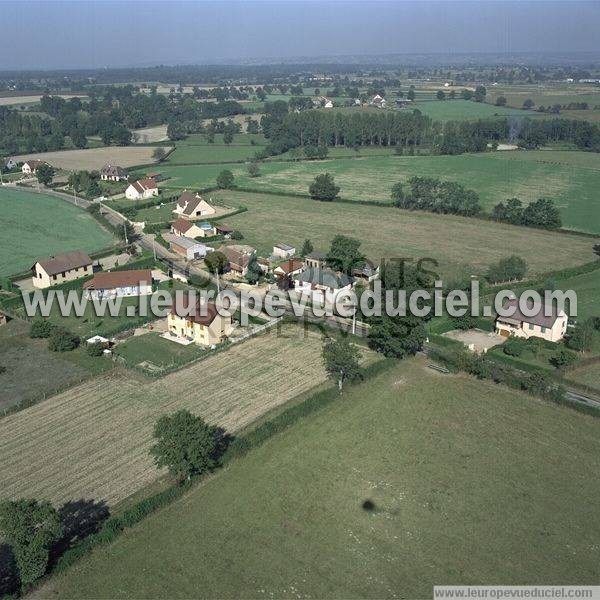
x: 335, y: 456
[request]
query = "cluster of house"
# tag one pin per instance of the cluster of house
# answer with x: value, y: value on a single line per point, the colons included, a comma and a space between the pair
x: 324, y: 102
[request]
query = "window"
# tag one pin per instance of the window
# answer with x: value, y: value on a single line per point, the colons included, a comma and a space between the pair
x: 531, y: 326
x: 543, y: 329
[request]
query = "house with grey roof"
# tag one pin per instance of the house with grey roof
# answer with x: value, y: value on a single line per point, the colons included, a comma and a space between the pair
x: 113, y: 173
x: 531, y: 320
x: 322, y: 285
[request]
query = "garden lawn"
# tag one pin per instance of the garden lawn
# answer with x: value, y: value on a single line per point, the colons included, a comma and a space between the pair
x: 36, y: 225
x: 463, y: 246
x: 570, y: 178
x: 410, y: 480
x: 151, y: 351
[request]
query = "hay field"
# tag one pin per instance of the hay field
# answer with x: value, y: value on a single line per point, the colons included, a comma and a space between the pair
x: 463, y: 246
x: 91, y: 159
x: 32, y: 99
x: 92, y: 441
x: 147, y: 135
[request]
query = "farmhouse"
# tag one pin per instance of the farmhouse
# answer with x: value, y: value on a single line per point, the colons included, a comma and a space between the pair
x: 184, y: 228
x: 113, y: 173
x: 289, y: 268
x: 323, y: 102
x: 315, y: 260
x: 366, y: 271
x: 203, y: 326
x: 193, y: 206
x: 31, y: 166
x: 186, y: 247
x: 238, y: 257
x: 551, y: 328
x: 378, y: 101
x: 10, y: 163
x: 119, y: 283
x: 283, y: 251
x: 322, y: 285
x: 61, y: 268
x: 142, y: 189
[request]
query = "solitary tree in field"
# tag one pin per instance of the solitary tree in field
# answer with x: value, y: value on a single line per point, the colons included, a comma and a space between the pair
x: 30, y: 527
x: 158, y: 153
x: 253, y: 169
x: 341, y: 361
x: 528, y: 104
x: 44, y: 174
x: 225, y: 179
x: 440, y: 95
x: 323, y: 187
x: 186, y: 445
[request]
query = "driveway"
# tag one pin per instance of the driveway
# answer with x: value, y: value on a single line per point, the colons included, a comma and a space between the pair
x: 476, y: 340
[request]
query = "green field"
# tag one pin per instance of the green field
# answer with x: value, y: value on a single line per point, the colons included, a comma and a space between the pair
x: 496, y: 176
x: 36, y: 225
x: 587, y: 287
x: 467, y: 482
x: 158, y: 352
x: 465, y: 110
x: 29, y: 363
x: 463, y: 246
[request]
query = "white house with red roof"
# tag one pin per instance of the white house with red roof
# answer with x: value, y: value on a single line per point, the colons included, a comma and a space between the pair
x: 142, y: 189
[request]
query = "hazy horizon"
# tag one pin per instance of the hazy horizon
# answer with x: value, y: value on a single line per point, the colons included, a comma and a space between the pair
x: 71, y: 35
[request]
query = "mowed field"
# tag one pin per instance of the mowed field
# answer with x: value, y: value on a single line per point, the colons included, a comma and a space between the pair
x: 467, y: 482
x: 36, y: 225
x: 92, y: 441
x: 572, y: 179
x: 32, y: 99
x: 91, y: 159
x: 463, y: 246
x: 466, y: 110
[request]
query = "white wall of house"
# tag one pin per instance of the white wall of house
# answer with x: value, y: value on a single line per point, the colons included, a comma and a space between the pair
x: 42, y: 280
x: 527, y: 330
x: 121, y: 292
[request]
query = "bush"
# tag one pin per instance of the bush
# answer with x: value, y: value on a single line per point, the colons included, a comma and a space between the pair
x: 323, y: 187
x: 95, y: 350
x: 237, y: 235
x: 465, y: 322
x: 62, y: 340
x: 41, y: 328
x: 225, y: 179
x: 563, y: 358
x: 513, y: 348
x: 508, y: 269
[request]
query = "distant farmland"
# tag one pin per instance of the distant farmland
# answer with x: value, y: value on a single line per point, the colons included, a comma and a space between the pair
x: 91, y: 159
x: 572, y: 179
x: 34, y: 225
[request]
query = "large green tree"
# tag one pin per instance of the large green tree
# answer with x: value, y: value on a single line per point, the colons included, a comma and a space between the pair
x: 225, y: 179
x: 30, y: 527
x: 323, y: 187
x: 344, y: 254
x: 185, y: 444
x: 45, y: 174
x: 341, y: 360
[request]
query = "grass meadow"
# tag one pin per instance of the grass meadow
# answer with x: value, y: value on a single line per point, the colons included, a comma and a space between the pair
x: 410, y: 480
x: 465, y: 110
x: 570, y: 178
x: 463, y: 246
x: 36, y: 225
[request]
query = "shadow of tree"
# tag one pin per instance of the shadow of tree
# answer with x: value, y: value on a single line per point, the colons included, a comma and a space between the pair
x: 9, y: 578
x: 79, y: 519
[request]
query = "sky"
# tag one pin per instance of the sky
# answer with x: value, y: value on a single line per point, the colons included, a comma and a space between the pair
x: 56, y: 34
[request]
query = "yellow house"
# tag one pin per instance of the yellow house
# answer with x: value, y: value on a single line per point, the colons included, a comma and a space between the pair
x: 61, y: 268
x: 550, y: 325
x: 206, y: 327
